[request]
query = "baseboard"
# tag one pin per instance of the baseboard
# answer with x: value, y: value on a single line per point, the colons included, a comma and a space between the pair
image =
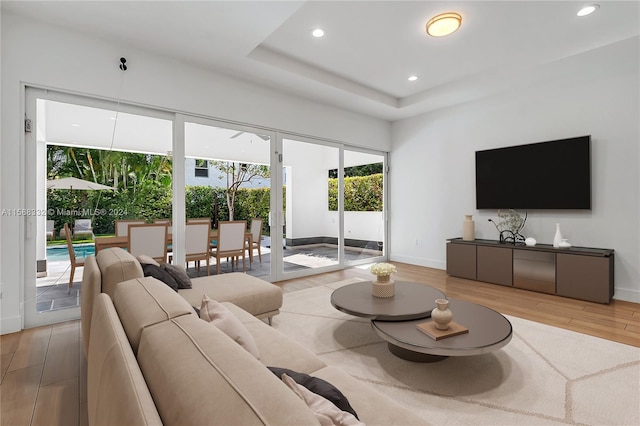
x: 427, y: 263
x: 627, y: 295
x: 11, y: 325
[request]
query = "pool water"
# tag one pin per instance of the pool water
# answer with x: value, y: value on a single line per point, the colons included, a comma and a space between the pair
x: 60, y: 253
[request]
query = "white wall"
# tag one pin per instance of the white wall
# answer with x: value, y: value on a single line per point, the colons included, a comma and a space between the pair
x: 33, y: 52
x: 593, y: 94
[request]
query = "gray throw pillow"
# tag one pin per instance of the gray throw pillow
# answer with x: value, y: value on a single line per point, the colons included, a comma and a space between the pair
x: 179, y: 274
x: 159, y: 274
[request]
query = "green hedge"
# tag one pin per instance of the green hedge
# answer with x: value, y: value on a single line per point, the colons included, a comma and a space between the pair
x: 153, y: 202
x: 361, y: 193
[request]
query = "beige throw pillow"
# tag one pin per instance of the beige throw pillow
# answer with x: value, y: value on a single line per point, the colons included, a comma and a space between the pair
x: 215, y: 313
x: 325, y: 411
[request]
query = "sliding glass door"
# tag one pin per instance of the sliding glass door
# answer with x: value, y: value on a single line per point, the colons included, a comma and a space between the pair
x: 320, y: 203
x: 311, y: 241
x: 118, y: 158
x: 364, y: 212
x: 227, y: 177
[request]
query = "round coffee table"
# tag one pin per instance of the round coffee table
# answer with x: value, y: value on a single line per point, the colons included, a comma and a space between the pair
x: 411, y: 301
x: 488, y: 331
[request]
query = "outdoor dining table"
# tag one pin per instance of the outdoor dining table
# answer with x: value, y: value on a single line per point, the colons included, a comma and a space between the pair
x: 122, y: 241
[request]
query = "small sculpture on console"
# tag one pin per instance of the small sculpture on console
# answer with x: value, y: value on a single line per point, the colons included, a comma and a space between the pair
x: 509, y: 226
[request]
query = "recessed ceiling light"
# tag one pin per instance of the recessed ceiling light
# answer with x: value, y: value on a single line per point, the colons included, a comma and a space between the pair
x: 588, y: 10
x: 75, y: 125
x: 318, y: 32
x: 444, y: 24
x: 413, y: 78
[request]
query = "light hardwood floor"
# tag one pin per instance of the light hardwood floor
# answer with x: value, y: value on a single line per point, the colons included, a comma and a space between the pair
x: 44, y: 371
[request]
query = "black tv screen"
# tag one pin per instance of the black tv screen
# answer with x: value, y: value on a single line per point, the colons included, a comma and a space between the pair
x: 544, y: 175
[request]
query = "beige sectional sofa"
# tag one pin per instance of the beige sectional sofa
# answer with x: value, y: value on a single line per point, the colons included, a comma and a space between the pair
x: 152, y: 360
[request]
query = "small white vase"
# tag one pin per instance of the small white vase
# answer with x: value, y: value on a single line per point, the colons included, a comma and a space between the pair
x: 558, y: 237
x: 564, y: 243
x: 468, y: 228
x: 441, y: 314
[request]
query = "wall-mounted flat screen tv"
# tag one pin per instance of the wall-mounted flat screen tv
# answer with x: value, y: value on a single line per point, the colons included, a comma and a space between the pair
x: 544, y: 175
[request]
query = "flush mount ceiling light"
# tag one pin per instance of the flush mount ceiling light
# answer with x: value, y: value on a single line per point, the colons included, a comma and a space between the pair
x: 412, y: 78
x: 318, y: 32
x: 588, y: 10
x: 444, y: 24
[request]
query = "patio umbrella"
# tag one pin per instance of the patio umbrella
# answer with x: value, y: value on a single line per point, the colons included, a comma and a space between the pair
x: 72, y: 183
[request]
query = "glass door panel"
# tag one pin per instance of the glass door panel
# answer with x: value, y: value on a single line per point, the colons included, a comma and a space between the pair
x: 364, y: 213
x: 311, y: 237
x: 228, y: 178
x: 118, y: 154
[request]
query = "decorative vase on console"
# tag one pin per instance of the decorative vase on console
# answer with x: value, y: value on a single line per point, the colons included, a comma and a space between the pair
x: 558, y: 237
x: 383, y: 286
x: 468, y: 228
x: 564, y: 243
x: 441, y: 314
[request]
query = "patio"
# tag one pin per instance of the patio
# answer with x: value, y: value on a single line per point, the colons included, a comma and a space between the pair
x: 52, y: 294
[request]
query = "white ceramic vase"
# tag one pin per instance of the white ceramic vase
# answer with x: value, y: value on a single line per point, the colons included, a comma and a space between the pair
x: 558, y: 237
x: 564, y: 243
x: 468, y: 228
x: 441, y: 314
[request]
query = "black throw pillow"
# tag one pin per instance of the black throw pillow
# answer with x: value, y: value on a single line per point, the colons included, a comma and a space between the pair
x: 157, y: 272
x: 179, y: 274
x: 317, y: 386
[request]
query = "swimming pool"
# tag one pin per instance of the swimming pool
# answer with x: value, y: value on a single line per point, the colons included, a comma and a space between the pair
x: 60, y: 253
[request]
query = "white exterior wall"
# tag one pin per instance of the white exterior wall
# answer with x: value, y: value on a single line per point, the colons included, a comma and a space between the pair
x: 594, y: 94
x: 48, y: 56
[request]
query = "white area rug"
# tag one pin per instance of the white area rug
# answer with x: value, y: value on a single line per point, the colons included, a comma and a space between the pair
x: 544, y: 376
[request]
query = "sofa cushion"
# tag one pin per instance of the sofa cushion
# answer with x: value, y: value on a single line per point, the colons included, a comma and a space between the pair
x: 179, y: 274
x: 185, y: 359
x: 117, y: 265
x: 217, y: 315
x: 276, y: 348
x: 117, y: 393
x: 317, y: 386
x: 373, y: 408
x: 142, y: 302
x: 157, y: 272
x: 326, y: 412
x: 252, y: 294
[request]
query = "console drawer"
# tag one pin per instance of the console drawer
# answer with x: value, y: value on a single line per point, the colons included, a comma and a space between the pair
x: 534, y: 270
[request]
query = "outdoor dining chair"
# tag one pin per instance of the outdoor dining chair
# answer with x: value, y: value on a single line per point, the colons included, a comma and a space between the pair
x: 199, y: 220
x: 75, y: 262
x: 122, y: 226
x: 148, y: 239
x: 82, y: 228
x: 51, y: 230
x: 256, y: 235
x: 164, y: 221
x: 230, y: 243
x: 197, y: 244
